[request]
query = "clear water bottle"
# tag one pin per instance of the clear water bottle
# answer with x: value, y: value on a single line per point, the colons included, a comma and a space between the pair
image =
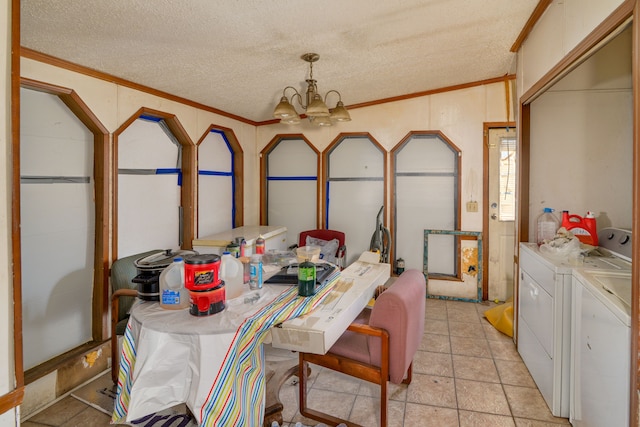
x: 173, y: 294
x: 255, y: 272
x: 546, y: 226
x: 232, y: 272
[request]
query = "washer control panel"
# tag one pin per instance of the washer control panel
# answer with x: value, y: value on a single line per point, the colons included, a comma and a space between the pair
x: 616, y: 240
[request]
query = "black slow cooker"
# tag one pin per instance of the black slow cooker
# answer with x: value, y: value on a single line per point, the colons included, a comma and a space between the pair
x: 149, y: 269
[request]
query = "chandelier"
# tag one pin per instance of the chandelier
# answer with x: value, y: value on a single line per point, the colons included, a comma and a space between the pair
x: 315, y: 107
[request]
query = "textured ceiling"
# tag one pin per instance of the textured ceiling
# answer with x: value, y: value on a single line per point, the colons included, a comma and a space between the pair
x: 237, y: 56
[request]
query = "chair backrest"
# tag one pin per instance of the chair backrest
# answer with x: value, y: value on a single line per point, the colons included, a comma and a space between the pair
x: 321, y: 234
x: 123, y: 270
x: 400, y: 311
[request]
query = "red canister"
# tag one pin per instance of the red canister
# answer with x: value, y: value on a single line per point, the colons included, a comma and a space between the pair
x: 208, y: 301
x: 201, y: 272
x: 206, y: 290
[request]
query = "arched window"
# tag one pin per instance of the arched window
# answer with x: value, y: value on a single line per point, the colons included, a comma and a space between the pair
x: 426, y: 195
x: 220, y: 192
x: 290, y: 188
x: 354, y: 175
x: 152, y: 151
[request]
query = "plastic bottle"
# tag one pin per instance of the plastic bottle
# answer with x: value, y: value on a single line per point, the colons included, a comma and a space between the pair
x: 173, y: 294
x: 584, y: 229
x: 306, y: 278
x: 255, y: 272
x: 231, y: 271
x: 546, y: 226
x: 260, y: 245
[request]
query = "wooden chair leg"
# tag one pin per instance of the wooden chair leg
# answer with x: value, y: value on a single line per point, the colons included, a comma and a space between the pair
x: 407, y: 380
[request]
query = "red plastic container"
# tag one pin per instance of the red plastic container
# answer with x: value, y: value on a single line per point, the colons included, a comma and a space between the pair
x: 201, y: 272
x: 583, y: 228
x: 207, y: 294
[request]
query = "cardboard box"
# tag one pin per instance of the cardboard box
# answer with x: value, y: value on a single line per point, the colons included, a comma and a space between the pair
x: 275, y: 238
x: 319, y: 330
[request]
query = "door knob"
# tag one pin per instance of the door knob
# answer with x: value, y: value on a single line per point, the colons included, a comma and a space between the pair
x: 494, y: 216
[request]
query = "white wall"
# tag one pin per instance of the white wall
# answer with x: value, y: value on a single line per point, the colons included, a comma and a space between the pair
x: 582, y: 142
x: 113, y: 104
x: 458, y: 114
x: 564, y: 24
x: 7, y: 369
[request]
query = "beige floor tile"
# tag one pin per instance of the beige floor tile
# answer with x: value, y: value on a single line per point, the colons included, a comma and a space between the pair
x: 521, y: 422
x: 481, y: 397
x: 504, y: 350
x: 475, y: 368
x: 366, y: 412
x: 89, y: 417
x: 337, y: 404
x: 528, y: 403
x: 466, y: 329
x: 332, y: 380
x: 435, y: 343
x: 432, y: 390
x: 289, y: 398
x: 430, y: 416
x: 59, y: 413
x: 469, y: 346
x: 394, y: 391
x: 440, y: 327
x: 426, y: 362
x: 514, y: 372
x: 462, y: 313
x: 479, y: 419
x: 434, y: 312
x: 492, y: 334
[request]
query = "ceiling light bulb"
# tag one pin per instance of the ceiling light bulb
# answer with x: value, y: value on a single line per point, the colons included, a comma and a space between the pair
x: 340, y: 113
x: 317, y: 107
x: 322, y: 121
x: 284, y: 109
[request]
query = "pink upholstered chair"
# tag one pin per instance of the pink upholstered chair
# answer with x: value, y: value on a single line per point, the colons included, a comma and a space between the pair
x: 378, y: 346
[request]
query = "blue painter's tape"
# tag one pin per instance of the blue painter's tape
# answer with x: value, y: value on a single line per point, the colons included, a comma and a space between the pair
x: 167, y: 171
x: 150, y: 118
x: 292, y: 178
x: 215, y: 173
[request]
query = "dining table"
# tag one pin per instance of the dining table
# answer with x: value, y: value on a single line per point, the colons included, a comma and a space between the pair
x: 215, y: 364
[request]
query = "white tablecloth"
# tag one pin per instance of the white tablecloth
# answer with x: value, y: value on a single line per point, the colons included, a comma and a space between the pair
x: 178, y: 355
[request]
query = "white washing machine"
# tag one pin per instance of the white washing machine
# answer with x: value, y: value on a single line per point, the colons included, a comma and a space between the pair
x: 601, y: 343
x: 545, y: 317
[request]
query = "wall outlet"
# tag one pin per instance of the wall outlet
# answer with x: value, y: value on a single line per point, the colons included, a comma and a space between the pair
x: 472, y: 206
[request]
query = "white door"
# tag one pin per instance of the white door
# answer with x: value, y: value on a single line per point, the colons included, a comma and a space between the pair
x: 502, y: 185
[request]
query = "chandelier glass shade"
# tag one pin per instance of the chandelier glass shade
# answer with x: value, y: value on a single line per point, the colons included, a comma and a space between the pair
x: 315, y: 107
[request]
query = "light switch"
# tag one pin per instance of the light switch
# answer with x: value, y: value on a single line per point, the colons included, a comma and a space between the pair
x: 472, y: 206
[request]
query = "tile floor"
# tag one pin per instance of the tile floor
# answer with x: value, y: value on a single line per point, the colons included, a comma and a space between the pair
x: 465, y: 373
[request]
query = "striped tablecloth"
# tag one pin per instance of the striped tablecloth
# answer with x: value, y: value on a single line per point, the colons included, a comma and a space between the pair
x: 237, y: 395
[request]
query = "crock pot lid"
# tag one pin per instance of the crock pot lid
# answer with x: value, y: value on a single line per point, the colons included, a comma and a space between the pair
x: 161, y: 259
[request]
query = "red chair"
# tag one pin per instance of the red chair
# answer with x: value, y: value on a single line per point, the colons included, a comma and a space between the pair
x: 327, y: 236
x: 378, y: 346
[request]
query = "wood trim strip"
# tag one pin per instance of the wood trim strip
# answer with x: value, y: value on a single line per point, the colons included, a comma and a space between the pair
x: 428, y: 92
x: 617, y: 17
x: 15, y: 199
x: 541, y: 7
x: 635, y: 221
x: 11, y: 400
x: 61, y: 63
x: 57, y: 62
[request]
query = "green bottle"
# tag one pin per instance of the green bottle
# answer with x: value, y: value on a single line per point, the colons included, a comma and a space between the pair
x: 306, y: 279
